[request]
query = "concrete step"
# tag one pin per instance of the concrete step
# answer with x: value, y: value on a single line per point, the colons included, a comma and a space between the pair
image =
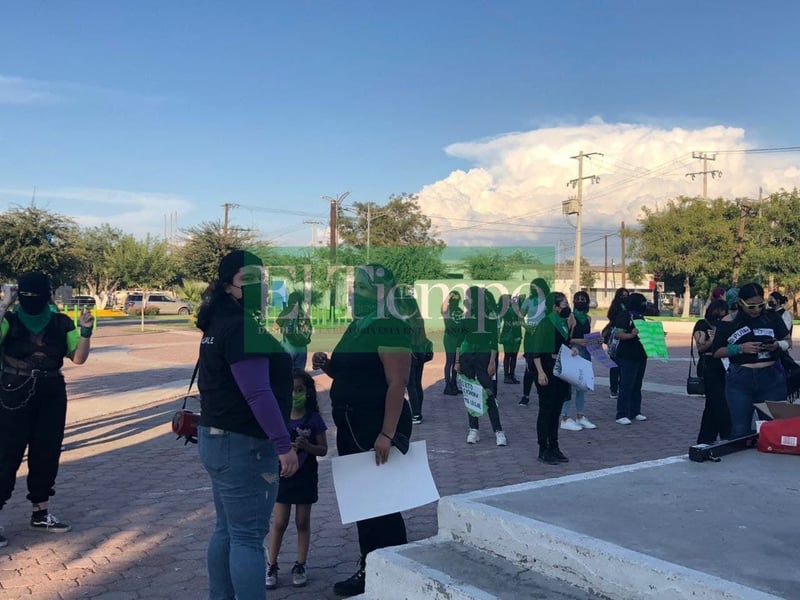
x: 499, y: 521
x: 439, y: 569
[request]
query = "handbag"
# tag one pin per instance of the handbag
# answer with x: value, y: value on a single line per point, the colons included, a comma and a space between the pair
x: 695, y: 385
x: 185, y: 421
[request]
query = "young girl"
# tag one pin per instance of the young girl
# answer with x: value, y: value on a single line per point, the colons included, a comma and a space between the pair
x: 307, y: 430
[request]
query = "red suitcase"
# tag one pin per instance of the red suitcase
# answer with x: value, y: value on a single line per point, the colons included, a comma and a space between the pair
x: 781, y: 436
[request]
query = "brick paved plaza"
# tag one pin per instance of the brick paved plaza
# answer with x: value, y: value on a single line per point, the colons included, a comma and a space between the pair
x: 140, y: 503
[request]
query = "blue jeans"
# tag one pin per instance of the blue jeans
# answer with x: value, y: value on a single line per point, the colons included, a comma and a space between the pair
x: 299, y: 355
x: 745, y: 387
x: 631, y: 376
x: 244, y: 480
x: 578, y: 394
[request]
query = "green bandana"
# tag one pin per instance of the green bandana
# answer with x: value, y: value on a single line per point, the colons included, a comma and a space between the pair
x: 580, y: 316
x: 559, y: 323
x: 34, y: 323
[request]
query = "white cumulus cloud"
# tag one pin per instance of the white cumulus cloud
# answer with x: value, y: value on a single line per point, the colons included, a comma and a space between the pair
x: 517, y: 181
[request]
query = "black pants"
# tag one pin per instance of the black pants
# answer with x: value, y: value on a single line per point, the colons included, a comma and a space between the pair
x: 356, y: 431
x: 450, y: 346
x: 37, y: 426
x: 414, y: 387
x: 716, y: 421
x: 613, y: 377
x: 551, y: 400
x: 474, y: 365
x: 530, y: 374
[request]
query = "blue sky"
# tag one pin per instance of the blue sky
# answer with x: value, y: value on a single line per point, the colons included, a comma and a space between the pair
x: 125, y: 111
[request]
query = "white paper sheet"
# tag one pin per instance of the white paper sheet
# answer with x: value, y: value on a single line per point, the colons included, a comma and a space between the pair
x: 365, y: 490
x: 576, y: 370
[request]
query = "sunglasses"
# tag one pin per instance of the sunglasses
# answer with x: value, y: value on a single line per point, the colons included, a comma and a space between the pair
x: 761, y: 304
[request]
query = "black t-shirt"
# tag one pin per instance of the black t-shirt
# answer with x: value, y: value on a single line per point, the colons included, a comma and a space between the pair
x: 629, y: 349
x: 766, y: 326
x: 230, y: 338
x: 706, y: 328
x: 355, y: 367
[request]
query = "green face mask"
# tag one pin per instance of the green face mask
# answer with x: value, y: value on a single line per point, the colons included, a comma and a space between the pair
x: 298, y: 400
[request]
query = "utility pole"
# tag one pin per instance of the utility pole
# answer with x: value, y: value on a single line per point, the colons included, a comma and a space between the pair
x: 605, y: 264
x: 705, y: 172
x: 575, y: 207
x: 227, y: 206
x: 335, y: 202
x: 622, y: 250
x: 746, y: 211
x: 313, y: 224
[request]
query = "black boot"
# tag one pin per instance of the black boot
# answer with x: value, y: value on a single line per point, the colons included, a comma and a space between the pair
x: 546, y: 456
x: 559, y: 455
x: 353, y: 585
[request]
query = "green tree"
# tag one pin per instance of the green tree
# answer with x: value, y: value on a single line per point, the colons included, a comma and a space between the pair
x: 635, y: 272
x: 205, y: 246
x: 488, y: 264
x: 690, y: 238
x: 411, y: 263
x: 144, y: 264
x: 95, y: 274
x: 400, y: 222
x: 34, y: 239
x: 772, y: 240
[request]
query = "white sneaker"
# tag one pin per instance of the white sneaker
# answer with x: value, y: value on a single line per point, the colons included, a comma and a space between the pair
x: 501, y: 438
x: 640, y: 418
x: 570, y: 424
x: 624, y: 421
x: 586, y: 423
x: 473, y: 437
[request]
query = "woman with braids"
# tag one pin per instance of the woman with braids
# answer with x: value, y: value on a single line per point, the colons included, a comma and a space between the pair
x: 245, y: 382
x: 34, y: 341
x: 369, y: 368
x: 752, y: 342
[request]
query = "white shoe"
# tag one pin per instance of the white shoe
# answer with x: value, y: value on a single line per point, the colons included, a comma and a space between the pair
x: 501, y: 438
x: 586, y: 423
x: 640, y: 418
x: 624, y: 421
x: 473, y: 437
x: 570, y: 424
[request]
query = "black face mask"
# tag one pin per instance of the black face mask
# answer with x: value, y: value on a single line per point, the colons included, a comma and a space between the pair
x: 582, y: 306
x: 34, y: 305
x: 565, y: 312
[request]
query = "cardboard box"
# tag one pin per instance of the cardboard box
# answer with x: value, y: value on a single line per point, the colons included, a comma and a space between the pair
x: 778, y: 410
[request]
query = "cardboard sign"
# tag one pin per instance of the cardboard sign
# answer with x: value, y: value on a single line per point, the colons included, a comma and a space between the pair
x: 651, y: 335
x: 474, y: 396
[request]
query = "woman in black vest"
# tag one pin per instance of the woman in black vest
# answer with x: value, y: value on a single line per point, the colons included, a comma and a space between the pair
x: 34, y: 340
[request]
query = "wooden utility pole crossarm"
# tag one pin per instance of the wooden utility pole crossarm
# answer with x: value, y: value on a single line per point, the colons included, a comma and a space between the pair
x: 576, y: 208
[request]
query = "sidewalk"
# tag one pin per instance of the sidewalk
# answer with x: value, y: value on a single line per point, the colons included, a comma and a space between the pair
x: 140, y: 503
